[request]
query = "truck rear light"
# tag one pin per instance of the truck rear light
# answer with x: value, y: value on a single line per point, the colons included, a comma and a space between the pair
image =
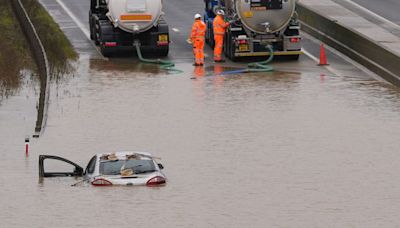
x: 163, y: 40
x: 110, y: 44
x: 158, y: 180
x: 294, y: 40
x: 242, y: 41
x: 162, y: 43
x: 101, y: 182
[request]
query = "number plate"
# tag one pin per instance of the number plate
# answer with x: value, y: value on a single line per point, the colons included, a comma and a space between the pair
x: 243, y: 47
x: 163, y: 38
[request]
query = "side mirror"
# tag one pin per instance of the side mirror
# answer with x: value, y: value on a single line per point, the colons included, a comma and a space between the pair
x: 160, y: 166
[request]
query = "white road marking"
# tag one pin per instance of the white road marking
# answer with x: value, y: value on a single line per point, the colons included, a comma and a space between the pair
x: 69, y: 27
x: 85, y: 31
x: 74, y: 18
x: 311, y: 56
x: 175, y: 30
x: 315, y: 59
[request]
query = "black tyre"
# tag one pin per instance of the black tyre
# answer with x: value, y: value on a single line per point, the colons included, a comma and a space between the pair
x: 91, y: 35
x: 162, y: 51
x: 227, y: 39
x: 208, y: 33
x: 106, y: 52
x: 155, y: 51
x: 232, y: 50
x: 96, y: 32
x: 211, y: 41
x: 293, y: 57
x: 91, y: 25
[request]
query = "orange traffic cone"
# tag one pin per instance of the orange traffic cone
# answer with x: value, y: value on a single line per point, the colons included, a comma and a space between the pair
x: 322, y: 57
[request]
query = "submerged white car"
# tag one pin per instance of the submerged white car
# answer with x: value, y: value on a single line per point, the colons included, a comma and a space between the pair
x: 118, y: 168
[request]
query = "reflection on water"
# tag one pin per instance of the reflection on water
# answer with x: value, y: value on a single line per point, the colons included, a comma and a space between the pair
x: 59, y: 50
x: 14, y: 54
x: 16, y: 63
x: 122, y: 65
x: 277, y: 149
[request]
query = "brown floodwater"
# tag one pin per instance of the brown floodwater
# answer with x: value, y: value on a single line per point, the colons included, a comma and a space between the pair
x: 281, y: 149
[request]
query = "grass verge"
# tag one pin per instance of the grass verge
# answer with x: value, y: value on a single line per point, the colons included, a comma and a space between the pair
x: 59, y: 50
x: 14, y: 55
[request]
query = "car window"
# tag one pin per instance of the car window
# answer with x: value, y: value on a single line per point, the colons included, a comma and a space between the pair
x: 138, y: 166
x: 91, y: 166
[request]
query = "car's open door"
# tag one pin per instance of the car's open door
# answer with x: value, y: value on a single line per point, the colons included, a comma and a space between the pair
x: 76, y: 172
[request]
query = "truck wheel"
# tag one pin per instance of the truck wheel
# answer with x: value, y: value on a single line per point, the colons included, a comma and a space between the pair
x: 155, y: 51
x: 96, y: 33
x: 210, y: 36
x: 96, y: 39
x: 232, y: 49
x: 163, y: 51
x: 106, y: 52
x: 226, y: 46
x: 92, y: 36
x: 208, y: 40
x: 91, y: 25
x: 293, y: 57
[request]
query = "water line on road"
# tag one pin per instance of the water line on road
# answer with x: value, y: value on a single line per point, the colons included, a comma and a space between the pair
x: 254, y: 67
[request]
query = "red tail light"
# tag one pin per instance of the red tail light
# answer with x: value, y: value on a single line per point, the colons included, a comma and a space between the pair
x: 101, y: 182
x: 110, y: 44
x: 156, y: 181
x: 162, y: 43
x: 294, y: 40
x: 242, y: 41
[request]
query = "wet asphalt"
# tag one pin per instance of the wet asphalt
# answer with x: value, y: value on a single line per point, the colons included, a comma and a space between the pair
x: 303, y: 146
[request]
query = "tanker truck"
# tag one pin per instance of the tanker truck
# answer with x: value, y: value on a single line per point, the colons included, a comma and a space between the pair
x: 254, y: 25
x: 117, y: 24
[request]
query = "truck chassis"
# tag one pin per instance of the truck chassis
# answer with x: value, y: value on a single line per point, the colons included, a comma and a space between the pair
x: 238, y: 44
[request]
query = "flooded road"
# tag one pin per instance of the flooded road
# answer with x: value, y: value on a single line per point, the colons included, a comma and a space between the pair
x: 298, y: 147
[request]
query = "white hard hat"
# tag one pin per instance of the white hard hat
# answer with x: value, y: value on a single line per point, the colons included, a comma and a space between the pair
x: 197, y: 16
x: 221, y: 12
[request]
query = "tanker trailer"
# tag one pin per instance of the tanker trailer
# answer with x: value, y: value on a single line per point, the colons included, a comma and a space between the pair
x: 256, y: 24
x: 117, y: 24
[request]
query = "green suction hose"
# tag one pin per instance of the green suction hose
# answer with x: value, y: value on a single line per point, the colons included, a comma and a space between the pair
x: 262, y: 66
x: 257, y: 66
x: 164, y: 64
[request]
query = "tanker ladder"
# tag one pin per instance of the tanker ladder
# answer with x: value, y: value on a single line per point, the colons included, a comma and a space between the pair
x: 164, y: 64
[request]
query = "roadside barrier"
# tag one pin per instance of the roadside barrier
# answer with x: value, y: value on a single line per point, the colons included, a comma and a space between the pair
x: 358, y: 47
x: 39, y: 54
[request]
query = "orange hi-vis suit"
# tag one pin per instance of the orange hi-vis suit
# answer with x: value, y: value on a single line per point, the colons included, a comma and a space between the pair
x: 197, y: 37
x: 219, y: 31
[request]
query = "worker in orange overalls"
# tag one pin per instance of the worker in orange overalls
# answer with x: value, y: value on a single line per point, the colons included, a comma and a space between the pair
x: 220, y: 26
x: 197, y: 39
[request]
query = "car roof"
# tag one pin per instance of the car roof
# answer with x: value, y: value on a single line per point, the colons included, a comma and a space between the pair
x: 123, y: 154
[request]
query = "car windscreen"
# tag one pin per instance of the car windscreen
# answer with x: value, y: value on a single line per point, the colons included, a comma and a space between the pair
x: 138, y: 166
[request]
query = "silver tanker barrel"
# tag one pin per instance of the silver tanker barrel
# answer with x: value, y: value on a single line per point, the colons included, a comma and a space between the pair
x: 263, y: 16
x: 117, y: 24
x: 134, y: 15
x: 258, y: 23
